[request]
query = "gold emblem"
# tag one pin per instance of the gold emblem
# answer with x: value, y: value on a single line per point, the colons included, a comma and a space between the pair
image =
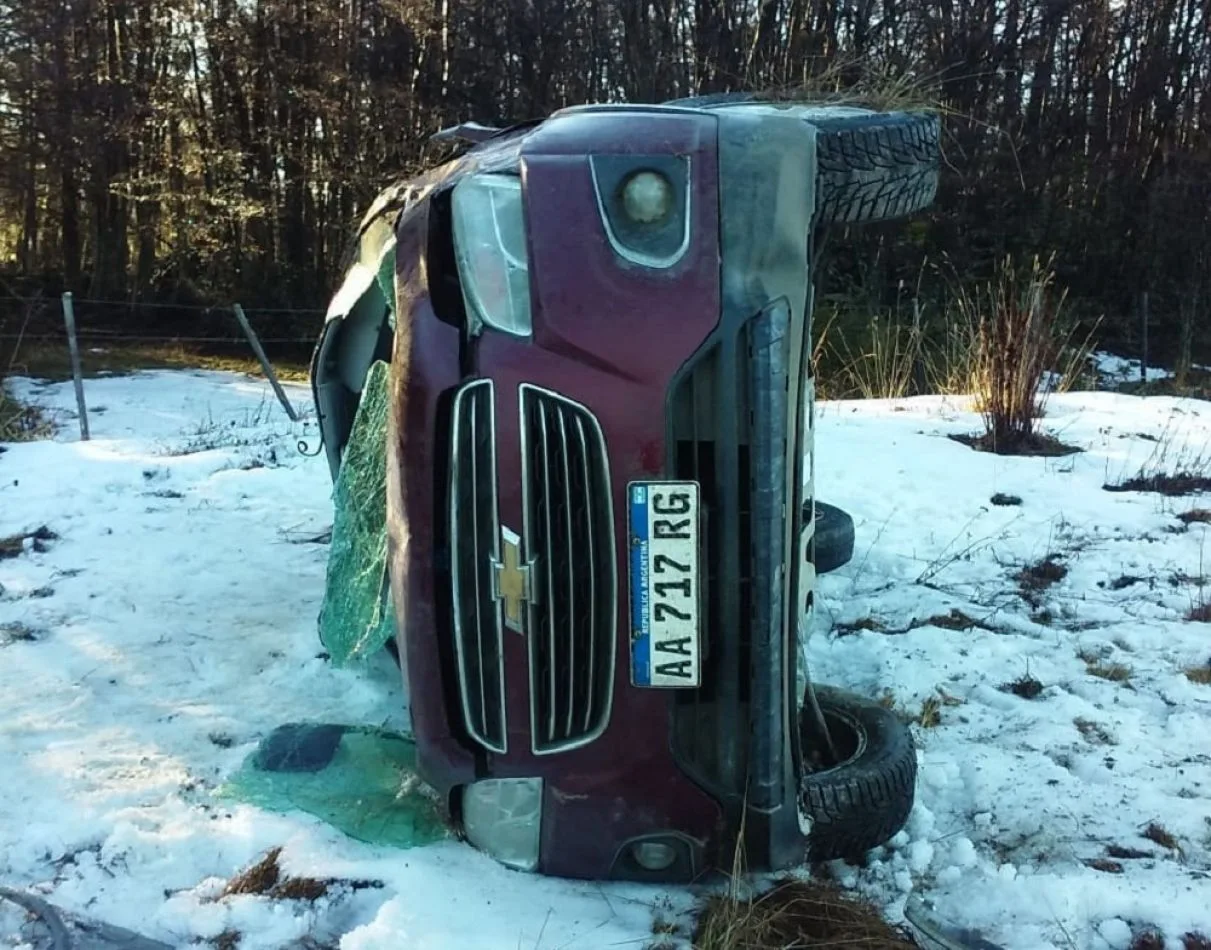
x: 511, y: 581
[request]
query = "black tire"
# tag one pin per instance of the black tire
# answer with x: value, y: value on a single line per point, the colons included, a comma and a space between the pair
x: 871, y: 166
x: 866, y: 799
x: 876, y: 167
x: 834, y: 538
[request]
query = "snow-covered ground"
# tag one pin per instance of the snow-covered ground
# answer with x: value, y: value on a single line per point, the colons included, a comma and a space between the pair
x: 176, y: 610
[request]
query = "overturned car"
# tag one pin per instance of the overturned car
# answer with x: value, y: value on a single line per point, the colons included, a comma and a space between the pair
x: 601, y: 529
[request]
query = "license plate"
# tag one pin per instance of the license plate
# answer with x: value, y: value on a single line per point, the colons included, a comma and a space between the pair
x: 665, y: 584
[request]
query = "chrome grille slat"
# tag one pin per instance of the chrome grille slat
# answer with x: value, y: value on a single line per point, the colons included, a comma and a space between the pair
x: 569, y: 535
x: 549, y: 735
x: 474, y: 540
x: 479, y: 616
x: 569, y: 517
x: 591, y: 553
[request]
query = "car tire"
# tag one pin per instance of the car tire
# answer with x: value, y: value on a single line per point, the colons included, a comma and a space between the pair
x: 864, y: 800
x: 834, y: 538
x: 876, y: 167
x: 871, y: 166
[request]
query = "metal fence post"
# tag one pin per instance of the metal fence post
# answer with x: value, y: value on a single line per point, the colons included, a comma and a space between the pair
x: 69, y: 318
x: 265, y: 365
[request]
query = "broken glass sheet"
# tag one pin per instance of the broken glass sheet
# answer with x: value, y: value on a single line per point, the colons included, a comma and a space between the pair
x: 358, y: 779
x: 356, y: 617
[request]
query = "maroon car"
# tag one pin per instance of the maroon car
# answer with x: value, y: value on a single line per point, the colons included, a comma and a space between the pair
x: 599, y: 489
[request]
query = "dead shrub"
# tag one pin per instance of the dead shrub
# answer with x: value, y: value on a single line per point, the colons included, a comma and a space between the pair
x: 1016, y: 344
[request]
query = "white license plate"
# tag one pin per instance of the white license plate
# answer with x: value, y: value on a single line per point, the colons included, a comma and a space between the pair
x: 665, y: 583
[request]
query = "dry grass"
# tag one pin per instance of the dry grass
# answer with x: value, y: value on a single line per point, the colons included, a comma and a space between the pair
x: 1025, y: 686
x: 859, y: 82
x: 1093, y: 733
x: 1200, y: 613
x: 227, y: 940
x: 930, y: 716
x: 52, y: 361
x: 1200, y: 675
x: 1098, y: 665
x: 1105, y: 865
x: 1127, y: 854
x: 20, y: 422
x: 881, y: 366
x: 1175, y: 467
x: 1043, y: 574
x: 1159, y: 834
x: 1195, y: 516
x: 795, y: 915
x: 265, y: 878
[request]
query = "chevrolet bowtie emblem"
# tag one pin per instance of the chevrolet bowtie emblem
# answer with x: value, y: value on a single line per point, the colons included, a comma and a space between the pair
x: 511, y: 581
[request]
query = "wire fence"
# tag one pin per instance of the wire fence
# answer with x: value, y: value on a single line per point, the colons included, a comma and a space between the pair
x: 39, y: 320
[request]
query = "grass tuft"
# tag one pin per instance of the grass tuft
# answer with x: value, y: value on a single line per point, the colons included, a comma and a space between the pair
x: 1127, y: 854
x: 1200, y: 675
x: 228, y: 940
x: 21, y: 422
x: 265, y: 878
x: 1195, y: 516
x: 1105, y: 865
x: 882, y: 366
x: 930, y: 716
x: 794, y: 914
x: 1025, y: 686
x: 260, y: 878
x: 1148, y: 939
x: 1041, y: 575
x: 1093, y: 732
x: 1173, y: 468
x: 1103, y: 669
x: 1159, y: 834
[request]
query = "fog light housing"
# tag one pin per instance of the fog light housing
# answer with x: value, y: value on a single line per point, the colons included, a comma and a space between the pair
x: 503, y: 817
x: 647, y: 197
x: 653, y: 855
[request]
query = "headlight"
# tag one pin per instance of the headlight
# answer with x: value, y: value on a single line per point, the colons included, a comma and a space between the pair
x: 490, y: 245
x: 503, y: 817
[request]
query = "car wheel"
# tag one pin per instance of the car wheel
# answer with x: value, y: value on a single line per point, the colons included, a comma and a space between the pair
x: 870, y: 166
x: 875, y: 167
x: 865, y: 799
x: 834, y: 538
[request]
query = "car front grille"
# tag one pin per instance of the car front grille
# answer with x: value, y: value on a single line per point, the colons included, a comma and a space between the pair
x: 474, y: 544
x: 569, y: 541
x: 727, y: 425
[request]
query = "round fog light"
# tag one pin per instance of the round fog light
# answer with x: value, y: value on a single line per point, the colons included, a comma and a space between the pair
x: 653, y: 855
x: 647, y: 197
